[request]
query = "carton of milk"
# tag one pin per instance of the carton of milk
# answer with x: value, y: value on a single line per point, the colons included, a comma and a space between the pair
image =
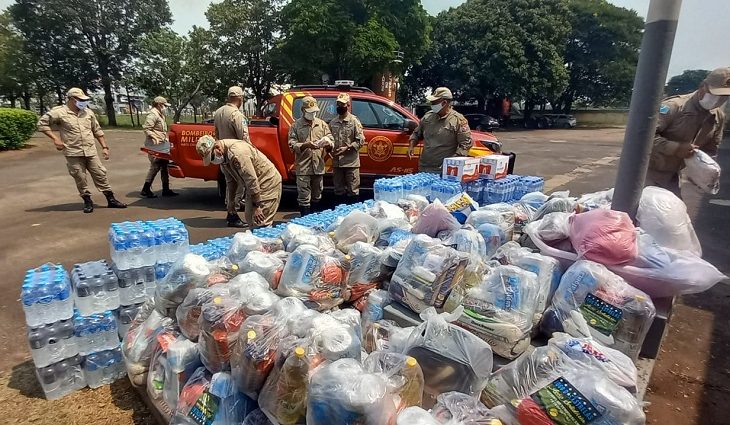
x: 493, y: 167
x: 460, y: 169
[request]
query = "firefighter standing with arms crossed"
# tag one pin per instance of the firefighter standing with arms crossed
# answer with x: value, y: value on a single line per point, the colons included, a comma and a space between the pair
x: 79, y: 131
x: 229, y: 123
x: 308, y: 137
x: 348, y: 138
x: 444, y: 131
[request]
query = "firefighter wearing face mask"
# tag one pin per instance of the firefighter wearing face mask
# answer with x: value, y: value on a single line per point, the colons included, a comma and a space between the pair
x: 444, y: 131
x: 79, y: 131
x: 155, y: 130
x: 686, y: 123
x: 309, y: 136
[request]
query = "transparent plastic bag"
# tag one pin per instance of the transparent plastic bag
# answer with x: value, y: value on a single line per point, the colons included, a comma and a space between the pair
x: 493, y: 237
x: 592, y: 201
x: 386, y: 228
x: 317, y: 239
x: 385, y: 335
x: 664, y: 216
x: 291, y: 231
x: 268, y: 265
x: 416, y: 416
x: 182, y: 360
x: 252, y: 290
x: 604, y: 236
x: 220, y: 323
x: 461, y: 206
x: 382, y: 210
x: 455, y: 408
x: 157, y: 374
x: 469, y: 241
x: 141, y: 342
x: 434, y: 219
x: 403, y: 375
x: 524, y: 213
x: 426, y: 273
x: 284, y: 395
x: 452, y: 358
x: 376, y: 302
x: 243, y: 243
x: 615, y: 364
x: 211, y: 399
x: 554, y: 226
x: 589, y: 397
x: 411, y: 209
x: 593, y: 301
x: 191, y: 271
x: 703, y: 172
x: 534, y: 199
x: 257, y: 417
x: 314, y: 277
x: 343, y: 393
x: 188, y: 313
x: 364, y: 271
x: 556, y: 204
x: 501, y: 310
x: 334, y: 338
x: 498, y: 215
x: 358, y: 227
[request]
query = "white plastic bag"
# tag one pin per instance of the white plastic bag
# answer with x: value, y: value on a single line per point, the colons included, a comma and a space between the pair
x: 703, y: 171
x: 554, y: 226
x: 664, y: 216
x: 358, y: 227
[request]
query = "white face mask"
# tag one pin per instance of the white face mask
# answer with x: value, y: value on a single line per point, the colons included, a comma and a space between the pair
x: 437, y: 108
x: 309, y: 116
x: 217, y: 159
x: 82, y: 104
x: 163, y: 109
x: 710, y: 101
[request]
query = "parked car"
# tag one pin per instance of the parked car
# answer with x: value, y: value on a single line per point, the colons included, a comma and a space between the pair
x: 538, y: 121
x: 481, y: 122
x: 387, y: 128
x: 562, y: 120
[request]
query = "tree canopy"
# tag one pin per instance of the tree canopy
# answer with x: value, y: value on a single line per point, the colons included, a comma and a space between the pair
x: 686, y: 82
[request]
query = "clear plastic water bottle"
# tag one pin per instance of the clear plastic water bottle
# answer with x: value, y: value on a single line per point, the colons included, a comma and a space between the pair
x: 94, y: 370
x: 45, y: 295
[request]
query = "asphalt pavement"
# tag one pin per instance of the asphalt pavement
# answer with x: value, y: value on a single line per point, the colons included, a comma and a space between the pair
x: 41, y: 221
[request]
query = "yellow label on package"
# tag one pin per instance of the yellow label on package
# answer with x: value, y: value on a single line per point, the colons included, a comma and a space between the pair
x: 460, y: 206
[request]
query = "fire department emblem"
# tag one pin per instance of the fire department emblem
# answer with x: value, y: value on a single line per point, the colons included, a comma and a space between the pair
x: 380, y: 148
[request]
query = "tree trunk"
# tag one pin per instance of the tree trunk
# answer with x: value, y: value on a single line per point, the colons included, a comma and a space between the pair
x: 529, y: 107
x: 59, y: 95
x: 195, y: 114
x: 26, y: 100
x: 12, y: 101
x: 481, y: 103
x: 176, y: 117
x: 41, y: 106
x: 138, y: 123
x: 129, y: 105
x: 106, y: 83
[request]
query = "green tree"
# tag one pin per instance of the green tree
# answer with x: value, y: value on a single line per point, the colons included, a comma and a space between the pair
x: 243, y: 35
x: 170, y: 65
x: 351, y: 39
x: 686, y: 82
x: 601, y: 54
x: 100, y: 34
x: 18, y: 69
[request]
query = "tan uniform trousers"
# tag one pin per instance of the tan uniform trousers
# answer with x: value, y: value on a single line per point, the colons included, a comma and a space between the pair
x: 158, y: 165
x: 309, y: 189
x: 346, y: 181
x: 268, y: 206
x: 77, y: 168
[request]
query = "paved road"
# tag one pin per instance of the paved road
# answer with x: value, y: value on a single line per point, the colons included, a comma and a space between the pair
x: 41, y: 221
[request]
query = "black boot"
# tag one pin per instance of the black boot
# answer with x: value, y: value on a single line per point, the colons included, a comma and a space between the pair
x: 88, y: 204
x: 354, y: 199
x: 166, y: 191
x: 147, y: 191
x: 234, y: 220
x: 112, y: 201
x: 304, y: 210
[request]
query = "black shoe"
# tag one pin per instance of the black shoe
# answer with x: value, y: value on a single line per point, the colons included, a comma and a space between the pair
x: 354, y: 199
x: 112, y: 201
x: 88, y: 204
x: 169, y: 192
x: 234, y: 220
x: 304, y: 211
x: 147, y: 191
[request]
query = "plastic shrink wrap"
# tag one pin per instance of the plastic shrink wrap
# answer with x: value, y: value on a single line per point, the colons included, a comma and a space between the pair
x: 364, y: 270
x: 452, y: 359
x: 314, y: 277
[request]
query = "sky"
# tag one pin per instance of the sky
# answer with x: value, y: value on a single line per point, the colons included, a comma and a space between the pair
x: 701, y: 41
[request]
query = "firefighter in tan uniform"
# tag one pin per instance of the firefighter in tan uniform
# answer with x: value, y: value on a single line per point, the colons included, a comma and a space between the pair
x: 230, y: 123
x: 79, y: 131
x: 686, y: 123
x: 444, y: 131
x: 155, y: 130
x: 308, y: 137
x: 348, y: 138
x: 250, y: 168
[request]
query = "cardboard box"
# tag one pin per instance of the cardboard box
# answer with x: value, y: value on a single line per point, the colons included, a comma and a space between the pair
x: 461, y: 169
x: 493, y: 167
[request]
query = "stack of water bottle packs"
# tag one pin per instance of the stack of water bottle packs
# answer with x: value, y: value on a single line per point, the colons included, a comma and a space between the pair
x: 292, y: 324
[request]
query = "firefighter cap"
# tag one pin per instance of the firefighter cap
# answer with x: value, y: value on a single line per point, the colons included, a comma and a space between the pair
x: 718, y: 82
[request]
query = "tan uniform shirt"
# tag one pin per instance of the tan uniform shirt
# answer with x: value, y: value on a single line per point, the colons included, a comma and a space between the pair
x: 442, y: 138
x: 230, y: 123
x: 309, y: 161
x: 78, y: 130
x: 252, y: 169
x: 155, y: 128
x: 683, y: 121
x: 347, y: 132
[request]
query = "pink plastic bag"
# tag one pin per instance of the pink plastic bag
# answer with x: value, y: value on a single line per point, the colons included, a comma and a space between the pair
x: 604, y: 236
x: 434, y: 219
